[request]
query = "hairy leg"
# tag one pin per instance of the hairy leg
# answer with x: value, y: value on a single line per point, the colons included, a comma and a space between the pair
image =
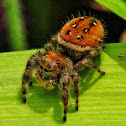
x: 27, y: 77
x: 76, y: 82
x: 32, y: 63
x: 50, y: 46
x: 65, y: 93
x: 87, y: 62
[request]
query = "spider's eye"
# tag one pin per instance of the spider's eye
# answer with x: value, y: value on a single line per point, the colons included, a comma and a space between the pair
x: 58, y: 62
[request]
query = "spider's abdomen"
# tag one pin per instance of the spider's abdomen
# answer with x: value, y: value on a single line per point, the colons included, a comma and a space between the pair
x: 83, y: 31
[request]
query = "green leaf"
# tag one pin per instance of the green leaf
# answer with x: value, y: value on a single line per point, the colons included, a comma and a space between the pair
x: 102, y: 98
x: 116, y: 6
x: 15, y: 25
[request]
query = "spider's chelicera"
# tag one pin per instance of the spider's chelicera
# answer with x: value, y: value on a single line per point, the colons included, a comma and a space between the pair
x: 73, y: 47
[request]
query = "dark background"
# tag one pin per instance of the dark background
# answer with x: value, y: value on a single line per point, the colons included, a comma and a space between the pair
x: 43, y: 18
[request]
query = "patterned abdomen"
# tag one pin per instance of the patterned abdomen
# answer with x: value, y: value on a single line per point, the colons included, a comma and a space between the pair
x: 83, y: 31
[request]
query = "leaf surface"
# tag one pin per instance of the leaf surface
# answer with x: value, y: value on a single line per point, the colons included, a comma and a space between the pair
x: 102, y: 99
x: 116, y: 6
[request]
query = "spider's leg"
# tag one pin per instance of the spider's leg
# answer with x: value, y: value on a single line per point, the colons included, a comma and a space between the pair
x: 76, y: 82
x: 26, y: 78
x: 32, y: 63
x: 50, y: 46
x: 88, y: 62
x: 65, y: 93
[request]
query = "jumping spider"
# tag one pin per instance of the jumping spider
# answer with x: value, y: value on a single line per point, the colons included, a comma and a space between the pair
x: 78, y: 41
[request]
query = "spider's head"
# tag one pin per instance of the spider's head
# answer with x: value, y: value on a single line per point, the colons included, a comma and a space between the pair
x: 52, y: 62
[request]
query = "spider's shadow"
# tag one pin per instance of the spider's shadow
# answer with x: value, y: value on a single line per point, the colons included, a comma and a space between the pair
x: 87, y: 80
x: 41, y: 100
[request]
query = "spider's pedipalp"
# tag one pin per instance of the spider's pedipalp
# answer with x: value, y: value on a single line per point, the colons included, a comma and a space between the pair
x: 37, y: 74
x: 49, y: 84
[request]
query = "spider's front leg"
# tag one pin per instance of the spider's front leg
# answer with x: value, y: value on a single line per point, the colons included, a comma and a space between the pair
x: 27, y: 76
x: 32, y: 63
x: 65, y: 93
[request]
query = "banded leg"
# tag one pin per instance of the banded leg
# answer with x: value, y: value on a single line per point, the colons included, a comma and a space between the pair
x: 26, y: 78
x: 32, y: 63
x: 88, y: 62
x: 65, y: 93
x: 76, y: 82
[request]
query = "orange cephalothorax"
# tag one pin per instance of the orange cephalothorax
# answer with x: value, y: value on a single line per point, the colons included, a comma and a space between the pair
x: 83, y: 31
x: 51, y: 62
x: 55, y: 57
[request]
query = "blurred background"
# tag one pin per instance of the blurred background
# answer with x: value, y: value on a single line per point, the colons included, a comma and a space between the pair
x: 40, y: 19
